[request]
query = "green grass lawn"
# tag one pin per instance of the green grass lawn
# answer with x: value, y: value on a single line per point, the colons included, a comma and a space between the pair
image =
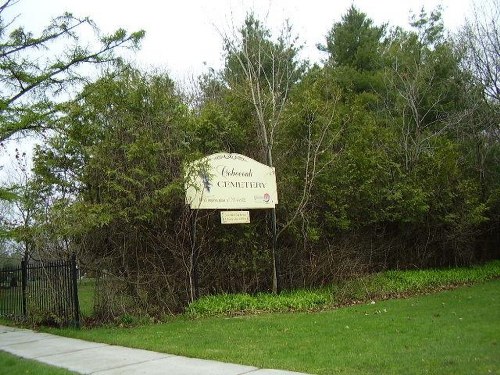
x: 450, y: 332
x: 86, y: 296
x: 11, y: 364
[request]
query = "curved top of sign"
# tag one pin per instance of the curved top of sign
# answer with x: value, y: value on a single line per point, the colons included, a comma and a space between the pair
x: 230, y: 181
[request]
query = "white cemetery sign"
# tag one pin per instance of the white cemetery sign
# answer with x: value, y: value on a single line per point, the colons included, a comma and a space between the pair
x: 230, y: 181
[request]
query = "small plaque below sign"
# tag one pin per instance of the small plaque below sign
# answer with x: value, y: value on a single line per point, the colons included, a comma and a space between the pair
x: 235, y: 217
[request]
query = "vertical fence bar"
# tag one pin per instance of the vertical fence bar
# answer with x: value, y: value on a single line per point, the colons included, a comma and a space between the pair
x: 67, y: 286
x: 76, y: 302
x: 24, y: 282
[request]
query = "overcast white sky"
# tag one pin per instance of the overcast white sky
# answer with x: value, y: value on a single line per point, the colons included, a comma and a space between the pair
x: 182, y: 37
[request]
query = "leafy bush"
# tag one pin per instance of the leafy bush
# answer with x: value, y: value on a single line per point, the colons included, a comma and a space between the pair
x: 388, y: 284
x: 232, y: 304
x: 393, y: 283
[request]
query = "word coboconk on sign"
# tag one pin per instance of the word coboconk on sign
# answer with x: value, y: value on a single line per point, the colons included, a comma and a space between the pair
x: 230, y: 181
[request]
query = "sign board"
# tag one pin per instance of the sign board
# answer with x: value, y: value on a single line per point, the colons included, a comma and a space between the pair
x: 230, y: 181
x: 235, y: 217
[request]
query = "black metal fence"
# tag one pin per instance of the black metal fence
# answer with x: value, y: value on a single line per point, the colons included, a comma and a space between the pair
x: 45, y: 292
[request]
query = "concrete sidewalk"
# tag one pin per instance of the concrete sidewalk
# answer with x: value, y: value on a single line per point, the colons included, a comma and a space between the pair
x: 95, y: 358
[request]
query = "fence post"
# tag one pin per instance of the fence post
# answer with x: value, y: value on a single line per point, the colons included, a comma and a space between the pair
x: 24, y: 285
x: 74, y: 280
x: 193, y: 277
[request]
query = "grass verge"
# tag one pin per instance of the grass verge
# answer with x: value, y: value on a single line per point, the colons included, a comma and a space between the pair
x: 11, y: 364
x: 450, y: 332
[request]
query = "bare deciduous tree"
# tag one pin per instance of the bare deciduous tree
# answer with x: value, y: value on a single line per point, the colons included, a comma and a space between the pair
x: 481, y: 39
